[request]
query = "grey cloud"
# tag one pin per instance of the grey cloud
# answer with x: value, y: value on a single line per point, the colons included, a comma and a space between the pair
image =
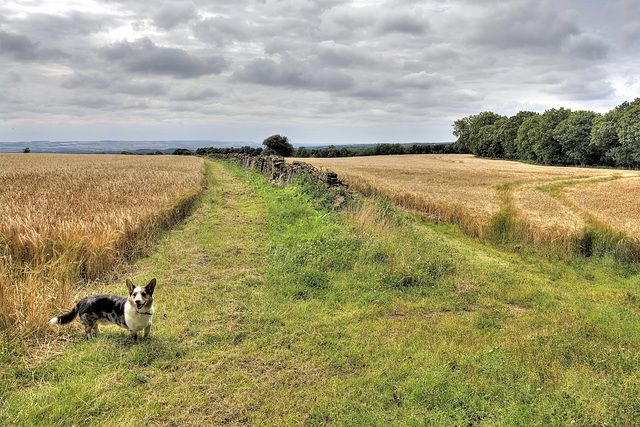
x: 587, y: 47
x: 623, y: 16
x: 522, y: 25
x: 81, y: 104
x: 441, y: 53
x: 577, y: 90
x: 373, y: 92
x: 221, y: 30
x: 14, y: 77
x: 342, y: 56
x: 631, y: 34
x: 114, y: 84
x: 23, y: 49
x: 423, y: 80
x: 92, y: 102
x: 291, y: 73
x: 581, y: 85
x: 143, y: 56
x: 70, y: 24
x: 81, y: 80
x: 282, y: 45
x: 345, y: 22
x: 623, y: 8
x: 172, y: 15
x: 195, y: 94
x: 403, y: 87
x: 140, y: 88
x: 404, y: 24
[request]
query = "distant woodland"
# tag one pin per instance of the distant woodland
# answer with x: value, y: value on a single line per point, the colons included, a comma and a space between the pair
x: 556, y: 137
x: 337, y: 151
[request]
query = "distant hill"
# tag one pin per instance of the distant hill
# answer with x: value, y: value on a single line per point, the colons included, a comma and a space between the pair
x: 109, y: 147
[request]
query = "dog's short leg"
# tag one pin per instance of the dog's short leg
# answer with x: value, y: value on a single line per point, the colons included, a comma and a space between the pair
x: 133, y: 335
x: 146, y: 331
x: 88, y: 330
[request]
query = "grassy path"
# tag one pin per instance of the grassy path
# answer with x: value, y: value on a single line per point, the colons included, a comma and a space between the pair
x: 205, y: 269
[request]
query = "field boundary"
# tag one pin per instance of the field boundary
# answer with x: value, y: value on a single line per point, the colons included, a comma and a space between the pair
x: 278, y: 171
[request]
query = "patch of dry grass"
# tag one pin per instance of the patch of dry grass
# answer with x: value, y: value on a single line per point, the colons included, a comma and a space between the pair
x: 68, y: 218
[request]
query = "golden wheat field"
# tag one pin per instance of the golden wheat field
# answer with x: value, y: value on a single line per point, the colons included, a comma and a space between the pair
x: 45, y: 195
x: 68, y: 218
x: 468, y: 191
x: 616, y: 202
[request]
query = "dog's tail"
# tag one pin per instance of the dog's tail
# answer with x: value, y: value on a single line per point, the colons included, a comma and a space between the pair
x: 65, y: 318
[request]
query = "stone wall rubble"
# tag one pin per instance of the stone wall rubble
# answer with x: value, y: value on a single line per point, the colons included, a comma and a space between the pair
x: 278, y: 171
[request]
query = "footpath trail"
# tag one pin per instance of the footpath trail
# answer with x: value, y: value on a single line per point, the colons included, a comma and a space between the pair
x: 206, y: 268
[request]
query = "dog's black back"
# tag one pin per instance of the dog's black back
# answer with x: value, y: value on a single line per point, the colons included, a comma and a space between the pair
x: 95, y: 307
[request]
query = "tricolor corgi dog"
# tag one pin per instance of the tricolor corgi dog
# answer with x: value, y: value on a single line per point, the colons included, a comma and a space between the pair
x: 133, y: 313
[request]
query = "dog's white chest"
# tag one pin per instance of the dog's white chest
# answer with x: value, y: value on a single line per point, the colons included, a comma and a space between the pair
x: 137, y: 321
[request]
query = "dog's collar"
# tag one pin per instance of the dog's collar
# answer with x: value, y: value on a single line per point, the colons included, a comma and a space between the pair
x: 148, y: 314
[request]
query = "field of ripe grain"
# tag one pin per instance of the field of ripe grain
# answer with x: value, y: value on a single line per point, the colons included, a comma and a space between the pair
x: 614, y: 203
x: 46, y: 195
x: 69, y: 218
x: 469, y: 191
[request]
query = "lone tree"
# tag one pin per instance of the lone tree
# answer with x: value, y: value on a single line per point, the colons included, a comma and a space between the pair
x: 279, y: 144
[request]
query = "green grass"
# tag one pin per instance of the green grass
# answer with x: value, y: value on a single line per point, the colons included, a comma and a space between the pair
x: 274, y: 310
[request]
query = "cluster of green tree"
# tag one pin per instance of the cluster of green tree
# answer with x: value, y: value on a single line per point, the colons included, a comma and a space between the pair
x: 228, y: 150
x: 280, y: 145
x: 376, y: 150
x: 179, y: 151
x: 556, y: 137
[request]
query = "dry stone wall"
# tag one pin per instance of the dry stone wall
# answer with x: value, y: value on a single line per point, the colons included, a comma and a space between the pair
x: 280, y: 172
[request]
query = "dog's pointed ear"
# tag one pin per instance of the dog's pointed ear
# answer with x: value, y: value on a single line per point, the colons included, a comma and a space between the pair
x: 130, y: 286
x: 151, y: 286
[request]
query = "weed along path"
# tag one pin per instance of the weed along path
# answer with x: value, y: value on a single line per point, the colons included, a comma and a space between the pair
x: 274, y: 309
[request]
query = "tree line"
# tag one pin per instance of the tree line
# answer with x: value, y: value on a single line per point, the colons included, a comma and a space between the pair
x: 556, y: 137
x: 332, y: 150
x: 374, y: 150
x: 280, y: 146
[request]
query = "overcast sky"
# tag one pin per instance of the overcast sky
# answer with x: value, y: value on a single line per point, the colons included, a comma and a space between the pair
x: 317, y: 71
